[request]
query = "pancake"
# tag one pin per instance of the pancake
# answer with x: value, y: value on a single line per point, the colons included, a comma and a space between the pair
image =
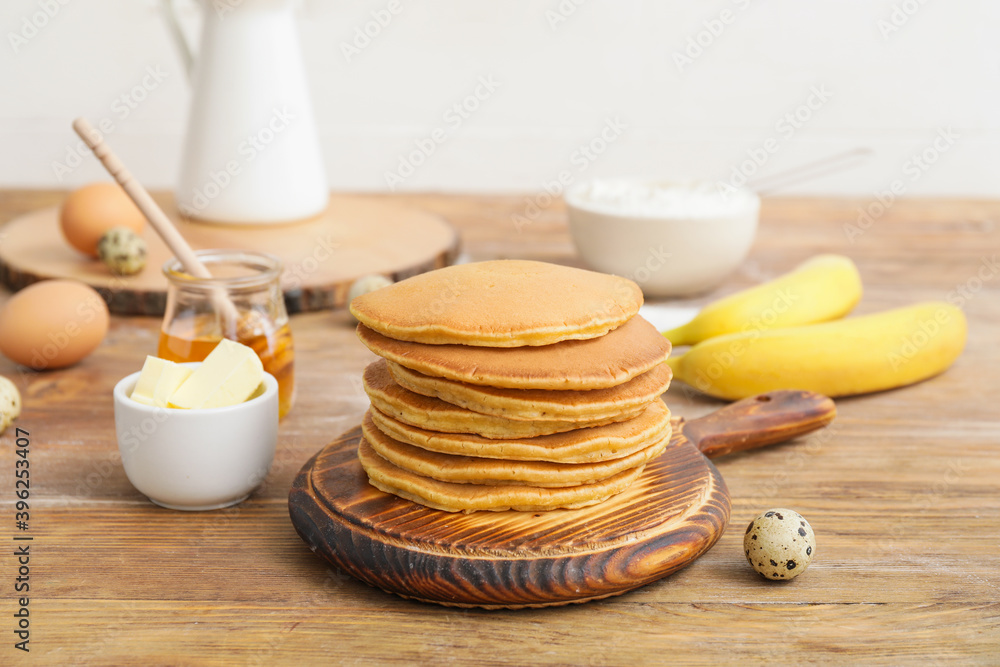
x: 452, y: 497
x: 632, y: 349
x: 583, y: 445
x: 567, y: 405
x: 475, y: 470
x: 435, y: 415
x: 500, y: 303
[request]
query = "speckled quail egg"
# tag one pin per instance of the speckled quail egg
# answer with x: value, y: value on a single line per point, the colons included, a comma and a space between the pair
x: 779, y: 544
x: 123, y: 251
x: 366, y: 284
x: 10, y: 403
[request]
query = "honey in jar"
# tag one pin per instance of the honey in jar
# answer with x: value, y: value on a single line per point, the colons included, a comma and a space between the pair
x: 194, y: 322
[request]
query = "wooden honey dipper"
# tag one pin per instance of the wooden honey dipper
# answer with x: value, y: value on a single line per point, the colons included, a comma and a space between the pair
x: 158, y: 220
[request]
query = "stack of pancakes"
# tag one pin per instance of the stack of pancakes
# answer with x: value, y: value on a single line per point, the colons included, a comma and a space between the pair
x: 510, y: 385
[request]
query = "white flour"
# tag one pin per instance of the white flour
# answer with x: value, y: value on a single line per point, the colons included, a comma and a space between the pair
x: 661, y: 200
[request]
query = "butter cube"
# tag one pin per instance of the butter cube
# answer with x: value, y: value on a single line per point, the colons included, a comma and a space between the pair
x: 158, y: 380
x: 229, y: 375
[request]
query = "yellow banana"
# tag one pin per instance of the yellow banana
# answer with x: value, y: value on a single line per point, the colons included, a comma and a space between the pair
x: 823, y: 288
x: 852, y: 356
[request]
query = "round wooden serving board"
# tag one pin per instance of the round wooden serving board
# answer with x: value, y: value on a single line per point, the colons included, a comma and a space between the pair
x: 323, y: 255
x: 671, y: 515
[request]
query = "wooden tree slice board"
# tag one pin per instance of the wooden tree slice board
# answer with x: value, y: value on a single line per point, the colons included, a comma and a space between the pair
x: 323, y: 255
x: 672, y: 514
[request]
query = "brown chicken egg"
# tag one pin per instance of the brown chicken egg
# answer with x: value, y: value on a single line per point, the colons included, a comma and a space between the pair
x: 52, y: 324
x: 88, y: 213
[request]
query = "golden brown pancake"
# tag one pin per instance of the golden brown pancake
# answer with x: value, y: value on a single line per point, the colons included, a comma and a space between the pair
x: 632, y: 349
x: 475, y: 470
x: 500, y: 303
x: 567, y: 405
x: 583, y: 445
x: 452, y: 497
x: 435, y: 415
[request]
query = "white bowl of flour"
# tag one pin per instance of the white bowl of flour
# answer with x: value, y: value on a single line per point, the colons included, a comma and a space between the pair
x: 673, y: 238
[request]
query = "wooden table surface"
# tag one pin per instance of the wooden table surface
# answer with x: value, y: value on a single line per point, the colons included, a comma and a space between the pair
x: 903, y: 491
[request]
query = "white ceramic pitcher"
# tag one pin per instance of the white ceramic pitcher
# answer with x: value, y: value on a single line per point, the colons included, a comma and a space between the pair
x: 251, y: 153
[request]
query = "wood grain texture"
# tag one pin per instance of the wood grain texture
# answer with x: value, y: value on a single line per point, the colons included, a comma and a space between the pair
x: 322, y: 256
x: 901, y: 490
x: 672, y: 514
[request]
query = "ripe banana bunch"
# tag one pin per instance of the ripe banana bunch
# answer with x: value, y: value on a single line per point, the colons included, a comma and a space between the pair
x: 838, y: 358
x: 823, y: 288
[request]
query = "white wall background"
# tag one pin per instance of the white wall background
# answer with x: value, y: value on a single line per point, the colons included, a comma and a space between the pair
x: 891, y: 93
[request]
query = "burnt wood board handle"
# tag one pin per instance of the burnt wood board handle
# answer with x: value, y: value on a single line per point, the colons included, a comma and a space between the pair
x: 758, y: 421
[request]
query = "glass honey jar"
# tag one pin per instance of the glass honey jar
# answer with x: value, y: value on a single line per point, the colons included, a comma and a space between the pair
x: 195, y: 319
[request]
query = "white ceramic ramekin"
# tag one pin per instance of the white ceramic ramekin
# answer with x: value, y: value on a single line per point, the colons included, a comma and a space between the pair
x: 197, y: 459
